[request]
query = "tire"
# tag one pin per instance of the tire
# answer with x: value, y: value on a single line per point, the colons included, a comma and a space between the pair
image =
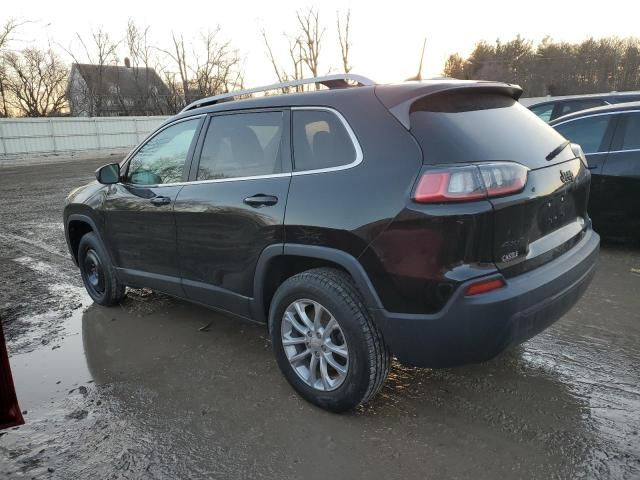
x: 366, y: 359
x: 98, y: 274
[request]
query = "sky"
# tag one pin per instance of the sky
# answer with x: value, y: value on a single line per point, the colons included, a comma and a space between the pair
x: 386, y: 36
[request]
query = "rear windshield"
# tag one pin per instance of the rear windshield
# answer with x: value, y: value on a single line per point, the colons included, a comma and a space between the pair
x: 457, y: 127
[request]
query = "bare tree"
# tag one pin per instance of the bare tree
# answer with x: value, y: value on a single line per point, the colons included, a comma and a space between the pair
x: 305, y: 47
x: 216, y: 70
x: 179, y: 56
x: 174, y: 99
x: 343, y: 38
x: 294, y: 55
x: 310, y: 38
x: 6, y: 36
x: 281, y: 75
x: 36, y: 82
x: 8, y: 30
x: 140, y: 51
x: 149, y: 96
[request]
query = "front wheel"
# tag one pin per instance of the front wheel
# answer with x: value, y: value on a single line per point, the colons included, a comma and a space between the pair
x: 325, y: 342
x: 98, y: 275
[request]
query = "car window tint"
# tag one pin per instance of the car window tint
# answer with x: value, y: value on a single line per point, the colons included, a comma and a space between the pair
x: 162, y: 159
x: 242, y: 145
x: 457, y: 126
x: 543, y: 111
x: 588, y: 132
x: 631, y: 139
x: 320, y: 140
x: 570, y: 107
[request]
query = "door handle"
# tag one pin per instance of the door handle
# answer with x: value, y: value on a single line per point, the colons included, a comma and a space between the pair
x: 158, y: 201
x: 593, y: 167
x: 261, y: 200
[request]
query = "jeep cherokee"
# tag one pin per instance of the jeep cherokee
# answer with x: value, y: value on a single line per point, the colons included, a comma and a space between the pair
x: 440, y: 222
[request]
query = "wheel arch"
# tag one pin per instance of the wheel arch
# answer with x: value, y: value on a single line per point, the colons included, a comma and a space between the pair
x: 281, y: 261
x: 76, y: 226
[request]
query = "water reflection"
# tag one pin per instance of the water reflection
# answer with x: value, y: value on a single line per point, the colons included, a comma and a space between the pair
x: 218, y: 398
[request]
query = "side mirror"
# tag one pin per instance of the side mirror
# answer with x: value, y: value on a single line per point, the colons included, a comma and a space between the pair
x: 108, y: 174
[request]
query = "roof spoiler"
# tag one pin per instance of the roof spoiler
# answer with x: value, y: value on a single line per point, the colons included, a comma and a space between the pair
x: 399, y: 100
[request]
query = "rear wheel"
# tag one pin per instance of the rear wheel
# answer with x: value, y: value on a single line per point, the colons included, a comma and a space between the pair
x: 98, y: 275
x: 325, y: 343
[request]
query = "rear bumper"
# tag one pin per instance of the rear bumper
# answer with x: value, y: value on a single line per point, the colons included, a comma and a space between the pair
x: 477, y: 328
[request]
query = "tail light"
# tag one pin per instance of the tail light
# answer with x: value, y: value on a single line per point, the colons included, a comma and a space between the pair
x: 471, y: 182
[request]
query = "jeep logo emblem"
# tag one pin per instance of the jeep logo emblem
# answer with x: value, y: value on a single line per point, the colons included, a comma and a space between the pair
x: 566, y: 176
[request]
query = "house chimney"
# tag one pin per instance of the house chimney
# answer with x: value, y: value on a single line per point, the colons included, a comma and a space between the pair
x: 127, y: 62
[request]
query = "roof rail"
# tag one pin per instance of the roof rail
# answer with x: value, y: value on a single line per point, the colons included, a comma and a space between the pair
x: 339, y: 80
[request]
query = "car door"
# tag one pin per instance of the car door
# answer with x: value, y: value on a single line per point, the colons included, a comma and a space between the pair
x: 594, y: 134
x: 621, y: 177
x: 139, y: 220
x: 233, y: 206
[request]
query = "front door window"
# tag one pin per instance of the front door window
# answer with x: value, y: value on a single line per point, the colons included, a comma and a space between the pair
x: 161, y: 160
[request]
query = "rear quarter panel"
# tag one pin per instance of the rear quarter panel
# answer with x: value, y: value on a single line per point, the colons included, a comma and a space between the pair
x: 347, y: 209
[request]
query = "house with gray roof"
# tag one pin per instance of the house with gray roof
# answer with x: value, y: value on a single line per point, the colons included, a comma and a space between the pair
x: 116, y: 90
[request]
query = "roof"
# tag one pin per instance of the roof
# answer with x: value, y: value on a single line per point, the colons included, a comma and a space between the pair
x: 616, y: 107
x: 531, y: 101
x: 396, y: 97
x: 130, y: 81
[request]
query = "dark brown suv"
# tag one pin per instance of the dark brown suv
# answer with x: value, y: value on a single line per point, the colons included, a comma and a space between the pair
x: 437, y: 221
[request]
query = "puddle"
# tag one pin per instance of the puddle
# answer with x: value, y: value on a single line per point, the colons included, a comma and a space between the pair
x: 48, y: 373
x: 169, y: 400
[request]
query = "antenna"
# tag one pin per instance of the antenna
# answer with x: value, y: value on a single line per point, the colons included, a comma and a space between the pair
x: 418, y: 77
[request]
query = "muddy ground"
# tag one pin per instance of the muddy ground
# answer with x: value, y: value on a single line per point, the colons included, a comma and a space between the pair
x: 139, y: 391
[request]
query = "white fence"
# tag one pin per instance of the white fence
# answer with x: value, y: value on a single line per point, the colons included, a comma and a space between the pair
x: 42, y: 136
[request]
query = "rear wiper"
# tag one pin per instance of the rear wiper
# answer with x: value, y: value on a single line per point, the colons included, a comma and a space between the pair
x: 556, y: 151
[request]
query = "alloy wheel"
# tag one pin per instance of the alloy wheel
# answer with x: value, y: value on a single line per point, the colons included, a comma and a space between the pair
x: 315, y: 345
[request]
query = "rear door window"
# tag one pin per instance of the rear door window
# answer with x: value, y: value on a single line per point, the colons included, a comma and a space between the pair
x: 242, y: 145
x: 588, y: 132
x: 320, y: 140
x: 631, y: 136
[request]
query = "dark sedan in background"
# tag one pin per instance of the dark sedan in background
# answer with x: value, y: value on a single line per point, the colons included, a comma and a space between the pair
x: 610, y: 138
x: 551, y: 108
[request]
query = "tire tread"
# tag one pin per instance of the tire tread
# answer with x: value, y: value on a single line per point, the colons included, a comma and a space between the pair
x: 116, y: 290
x: 341, y: 284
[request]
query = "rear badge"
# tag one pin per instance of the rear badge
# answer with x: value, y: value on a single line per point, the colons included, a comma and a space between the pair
x: 566, y: 176
x: 509, y: 256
